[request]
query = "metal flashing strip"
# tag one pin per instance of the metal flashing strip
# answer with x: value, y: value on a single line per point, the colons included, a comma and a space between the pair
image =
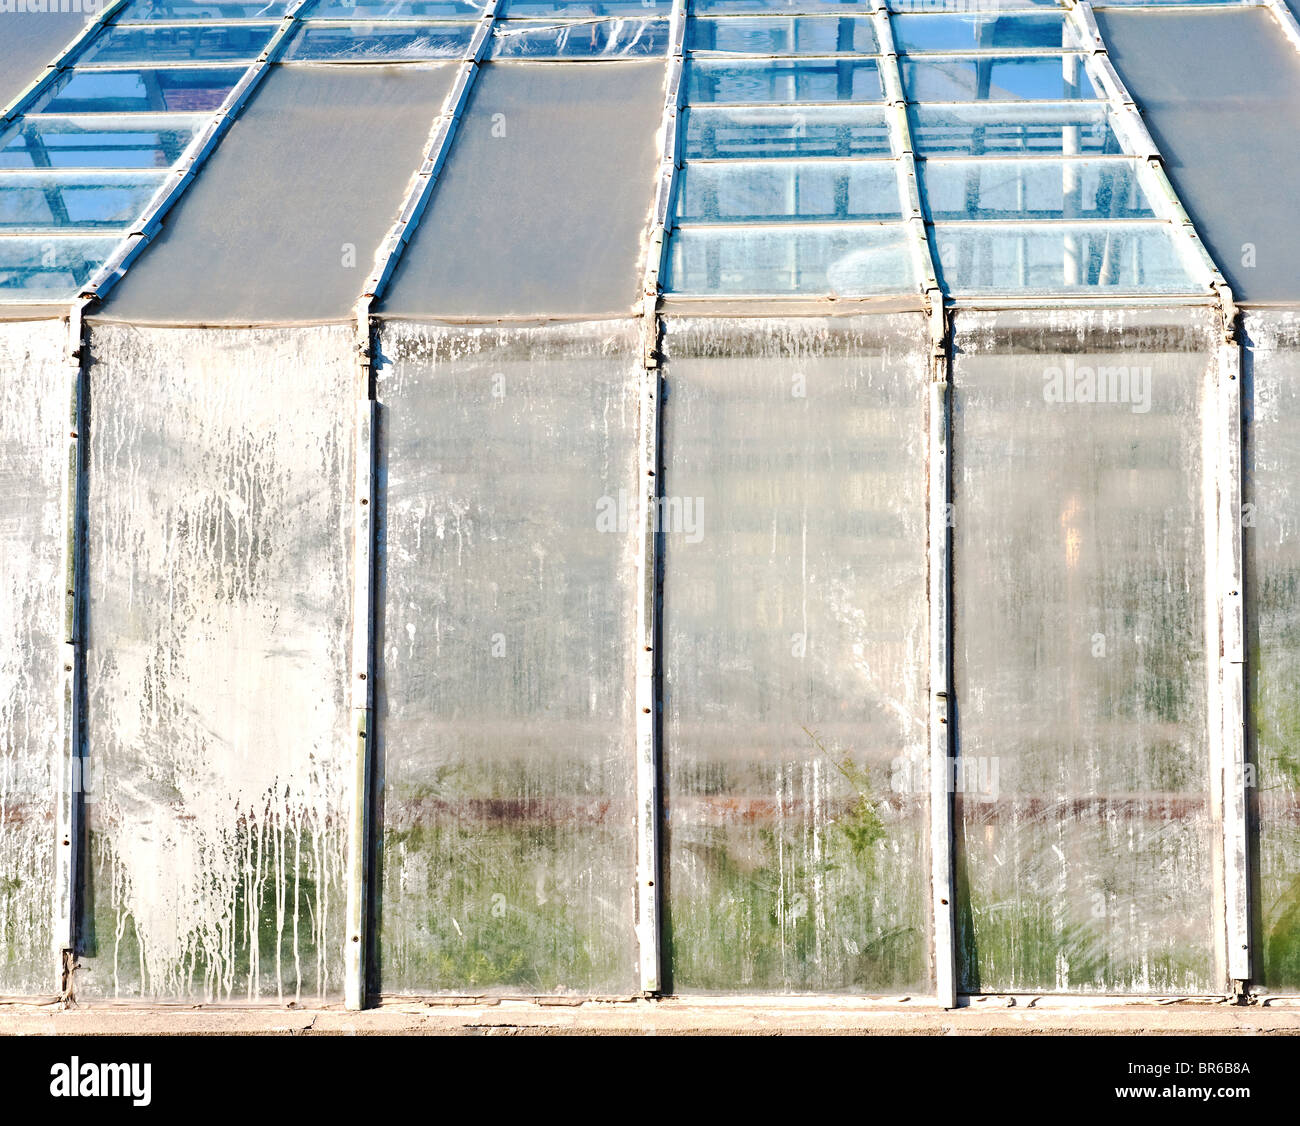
x: 148, y: 225
x: 1286, y: 18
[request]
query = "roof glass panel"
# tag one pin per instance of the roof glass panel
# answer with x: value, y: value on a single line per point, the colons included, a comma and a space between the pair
x: 997, y: 78
x: 792, y: 261
x: 70, y: 142
x: 784, y: 80
x: 588, y: 39
x: 1062, y: 258
x: 49, y: 269
x: 378, y: 43
x: 146, y: 46
x: 394, y: 10
x: 644, y: 9
x: 1034, y: 189
x: 45, y: 200
x: 777, y: 7
x: 1009, y: 128
x: 983, y: 32
x: 763, y: 191
x: 193, y: 11
x: 715, y: 132
x: 181, y: 90
x: 795, y: 35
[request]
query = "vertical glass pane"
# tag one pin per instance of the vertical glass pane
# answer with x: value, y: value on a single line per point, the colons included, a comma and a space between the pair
x: 795, y: 650
x: 33, y: 424
x: 507, y: 689
x: 1272, y: 533
x: 219, y: 611
x: 1085, y: 835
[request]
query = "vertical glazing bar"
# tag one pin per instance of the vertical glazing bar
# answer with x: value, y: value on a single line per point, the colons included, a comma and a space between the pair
x: 70, y: 774
x: 648, y: 803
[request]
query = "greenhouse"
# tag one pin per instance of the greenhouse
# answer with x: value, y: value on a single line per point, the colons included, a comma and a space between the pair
x: 637, y: 498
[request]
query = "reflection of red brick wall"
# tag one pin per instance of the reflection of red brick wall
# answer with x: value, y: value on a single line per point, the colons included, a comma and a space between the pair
x: 196, y: 100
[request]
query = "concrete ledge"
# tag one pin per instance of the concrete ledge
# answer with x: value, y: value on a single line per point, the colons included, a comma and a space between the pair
x: 740, y: 1016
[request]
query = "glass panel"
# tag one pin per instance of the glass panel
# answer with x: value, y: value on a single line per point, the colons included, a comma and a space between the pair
x: 377, y: 43
x: 795, y: 640
x: 997, y: 78
x: 54, y: 269
x: 1010, y: 128
x: 1084, y: 828
x: 719, y: 193
x: 143, y: 46
x: 1037, y: 189
x: 786, y: 131
x: 508, y: 681
x: 218, y: 615
x: 966, y: 32
x: 568, y: 9
x: 44, y: 142
x: 814, y: 261
x: 966, y: 5
x: 1271, y: 522
x: 186, y: 90
x: 828, y: 80
x: 192, y: 11
x: 393, y: 10
x: 775, y: 7
x: 800, y: 35
x: 1140, y: 257
x: 33, y: 425
x: 595, y: 40
x: 75, y: 199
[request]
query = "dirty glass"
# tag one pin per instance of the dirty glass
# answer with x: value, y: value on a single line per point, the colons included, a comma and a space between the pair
x: 136, y: 46
x: 521, y: 9
x: 33, y: 421
x: 717, y: 132
x: 824, y: 260
x: 794, y: 35
x: 584, y: 39
x: 218, y: 627
x: 761, y: 191
x: 971, y: 32
x: 506, y: 698
x: 75, y: 199
x: 1271, y: 523
x: 1084, y: 828
x: 783, y: 80
x: 795, y: 655
x: 51, y: 268
x: 93, y: 142
x: 174, y: 90
x: 194, y: 11
x: 393, y: 10
x: 996, y: 78
x: 1050, y: 258
x: 1013, y: 129
x: 375, y: 43
x: 1033, y: 189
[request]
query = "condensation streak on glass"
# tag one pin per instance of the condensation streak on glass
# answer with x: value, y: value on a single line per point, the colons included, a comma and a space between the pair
x: 218, y: 595
x: 33, y: 416
x: 795, y: 654
x: 1085, y: 837
x: 506, y: 699
x: 1271, y: 528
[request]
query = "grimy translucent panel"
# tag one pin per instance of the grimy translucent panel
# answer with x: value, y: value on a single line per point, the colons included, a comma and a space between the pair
x: 41, y: 268
x: 394, y: 10
x: 783, y: 80
x: 795, y: 654
x: 1029, y: 129
x: 570, y: 9
x: 545, y: 200
x: 1063, y: 257
x: 29, y: 42
x: 766, y: 190
x: 773, y: 7
x: 290, y: 209
x: 1033, y: 189
x: 796, y: 35
x: 1228, y: 138
x: 1272, y: 538
x: 175, y: 90
x: 375, y: 43
x: 966, y: 31
x: 33, y: 420
x: 996, y: 78
x: 508, y: 720
x: 218, y: 594
x: 142, y: 46
x: 720, y: 132
x: 585, y: 39
x: 814, y: 260
x: 1084, y: 828
x: 195, y: 11
x: 93, y: 142
x: 75, y: 199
